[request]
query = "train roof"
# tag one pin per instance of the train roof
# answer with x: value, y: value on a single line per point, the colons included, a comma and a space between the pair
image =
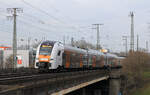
x: 48, y: 42
x: 109, y: 55
x: 82, y: 51
x: 121, y: 57
x: 95, y: 52
x: 74, y: 49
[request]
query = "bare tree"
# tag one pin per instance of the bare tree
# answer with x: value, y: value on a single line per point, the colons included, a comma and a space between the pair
x: 83, y: 44
x: 9, y: 62
x: 134, y: 67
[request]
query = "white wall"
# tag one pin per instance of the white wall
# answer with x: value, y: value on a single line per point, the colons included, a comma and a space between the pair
x: 23, y: 53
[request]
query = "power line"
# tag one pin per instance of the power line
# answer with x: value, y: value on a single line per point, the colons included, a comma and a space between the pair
x: 32, y: 25
x: 58, y: 11
x: 45, y: 30
x: 41, y: 10
x: 38, y: 21
x: 30, y: 22
x: 49, y: 15
x: 27, y: 24
x: 62, y: 15
x: 30, y: 6
x: 45, y: 13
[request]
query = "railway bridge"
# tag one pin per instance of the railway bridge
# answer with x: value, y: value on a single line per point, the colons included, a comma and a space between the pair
x: 85, y: 82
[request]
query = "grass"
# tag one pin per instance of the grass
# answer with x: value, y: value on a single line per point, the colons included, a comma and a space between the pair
x: 146, y: 74
x: 146, y: 89
x: 143, y: 91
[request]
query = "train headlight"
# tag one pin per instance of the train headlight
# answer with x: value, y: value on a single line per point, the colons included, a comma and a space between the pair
x: 44, y: 59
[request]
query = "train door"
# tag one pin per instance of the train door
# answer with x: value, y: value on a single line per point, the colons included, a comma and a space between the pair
x: 59, y: 58
x: 94, y: 61
x: 85, y: 60
x: 67, y: 64
x: 90, y: 61
x: 81, y: 61
x: 64, y: 59
x: 106, y: 60
x: 59, y: 54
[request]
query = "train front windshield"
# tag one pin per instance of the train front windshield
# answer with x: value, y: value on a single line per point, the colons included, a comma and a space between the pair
x: 45, y: 50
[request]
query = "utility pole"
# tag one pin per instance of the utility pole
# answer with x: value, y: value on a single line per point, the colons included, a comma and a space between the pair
x: 29, y: 40
x: 132, y: 32
x: 72, y: 41
x: 64, y: 40
x: 147, y: 46
x: 98, y: 38
x: 14, y: 14
x: 43, y: 38
x: 137, y: 42
x: 126, y: 44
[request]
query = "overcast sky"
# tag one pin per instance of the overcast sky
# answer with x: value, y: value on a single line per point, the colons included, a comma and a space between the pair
x: 54, y: 19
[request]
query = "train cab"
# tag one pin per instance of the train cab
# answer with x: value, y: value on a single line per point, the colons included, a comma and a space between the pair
x: 48, y: 54
x: 43, y: 55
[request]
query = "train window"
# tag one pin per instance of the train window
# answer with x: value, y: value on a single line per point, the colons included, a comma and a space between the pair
x: 59, y: 53
x: 45, y: 50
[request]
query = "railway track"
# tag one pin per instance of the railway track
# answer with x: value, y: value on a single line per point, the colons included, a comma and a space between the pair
x: 20, y: 79
x: 22, y: 83
x: 25, y: 77
x: 14, y: 75
x: 33, y: 72
x: 6, y: 73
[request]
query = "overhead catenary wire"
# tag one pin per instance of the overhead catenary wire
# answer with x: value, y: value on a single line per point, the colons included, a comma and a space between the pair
x: 48, y: 14
x: 41, y: 11
x: 43, y: 30
x: 28, y: 22
x: 28, y: 16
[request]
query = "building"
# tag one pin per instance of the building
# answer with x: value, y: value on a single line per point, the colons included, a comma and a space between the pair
x: 22, y: 58
x: 4, y: 48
